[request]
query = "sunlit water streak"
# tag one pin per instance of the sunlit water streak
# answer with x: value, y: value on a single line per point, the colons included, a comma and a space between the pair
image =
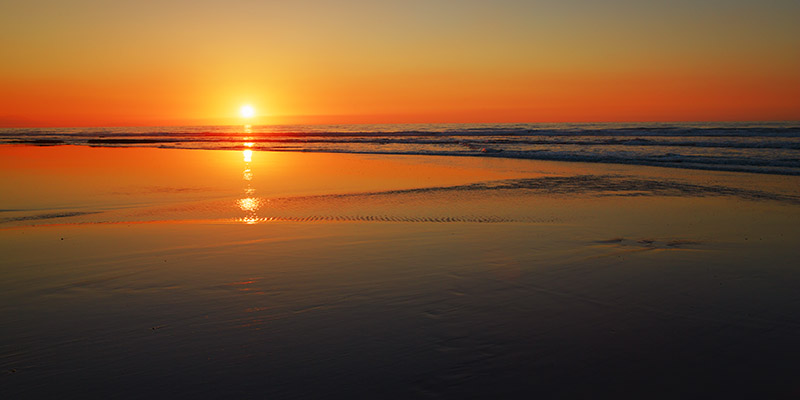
x: 248, y: 204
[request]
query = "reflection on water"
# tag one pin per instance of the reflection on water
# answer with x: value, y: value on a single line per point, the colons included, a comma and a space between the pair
x: 248, y: 204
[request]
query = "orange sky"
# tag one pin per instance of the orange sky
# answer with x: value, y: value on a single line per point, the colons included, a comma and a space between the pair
x: 99, y: 63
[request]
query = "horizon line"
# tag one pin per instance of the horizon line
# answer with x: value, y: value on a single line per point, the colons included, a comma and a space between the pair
x: 698, y: 121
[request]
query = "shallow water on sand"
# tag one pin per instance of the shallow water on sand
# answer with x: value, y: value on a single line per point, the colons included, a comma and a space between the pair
x: 356, y: 276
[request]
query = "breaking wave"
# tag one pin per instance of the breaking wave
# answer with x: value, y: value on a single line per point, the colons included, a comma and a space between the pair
x: 746, y: 147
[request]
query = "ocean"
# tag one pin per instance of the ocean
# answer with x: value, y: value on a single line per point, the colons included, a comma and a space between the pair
x: 760, y: 147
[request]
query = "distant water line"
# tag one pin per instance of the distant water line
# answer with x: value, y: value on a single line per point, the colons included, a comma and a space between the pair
x: 764, y: 147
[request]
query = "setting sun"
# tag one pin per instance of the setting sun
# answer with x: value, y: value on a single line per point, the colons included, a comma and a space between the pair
x: 247, y: 111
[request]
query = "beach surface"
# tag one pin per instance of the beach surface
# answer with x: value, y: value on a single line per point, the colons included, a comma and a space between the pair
x: 165, y: 273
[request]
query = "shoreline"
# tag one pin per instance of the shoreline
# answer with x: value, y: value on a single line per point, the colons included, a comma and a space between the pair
x: 242, y: 182
x: 766, y: 148
x: 760, y: 169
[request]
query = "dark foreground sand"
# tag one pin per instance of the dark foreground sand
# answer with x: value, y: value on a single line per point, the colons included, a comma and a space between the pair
x: 149, y: 273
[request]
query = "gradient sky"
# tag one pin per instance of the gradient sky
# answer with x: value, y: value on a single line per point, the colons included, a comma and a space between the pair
x: 95, y: 63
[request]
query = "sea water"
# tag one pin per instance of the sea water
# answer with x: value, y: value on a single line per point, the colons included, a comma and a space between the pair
x: 763, y: 147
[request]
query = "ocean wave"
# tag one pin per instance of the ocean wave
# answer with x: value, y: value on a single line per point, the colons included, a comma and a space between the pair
x: 745, y: 147
x: 755, y: 143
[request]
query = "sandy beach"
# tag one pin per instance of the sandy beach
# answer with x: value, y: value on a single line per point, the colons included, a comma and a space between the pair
x: 158, y: 273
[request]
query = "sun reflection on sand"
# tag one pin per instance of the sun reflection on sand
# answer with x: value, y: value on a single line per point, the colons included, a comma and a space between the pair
x: 249, y: 203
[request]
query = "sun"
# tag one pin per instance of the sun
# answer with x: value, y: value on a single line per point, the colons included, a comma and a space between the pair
x: 247, y: 111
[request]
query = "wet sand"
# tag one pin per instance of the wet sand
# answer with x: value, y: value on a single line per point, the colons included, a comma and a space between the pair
x: 133, y: 273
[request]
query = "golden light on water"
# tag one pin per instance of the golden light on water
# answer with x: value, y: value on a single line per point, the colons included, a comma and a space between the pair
x: 249, y: 220
x: 249, y: 204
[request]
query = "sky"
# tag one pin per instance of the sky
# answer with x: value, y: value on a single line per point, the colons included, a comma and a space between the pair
x: 182, y: 62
